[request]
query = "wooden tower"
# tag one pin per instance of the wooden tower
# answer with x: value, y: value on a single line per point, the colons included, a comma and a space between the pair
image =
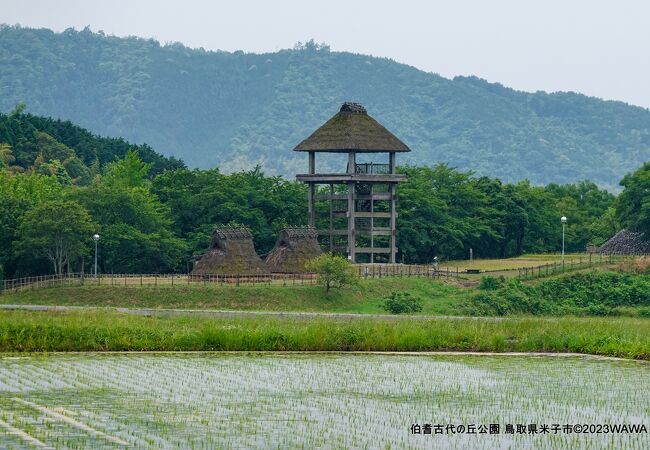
x: 361, y: 199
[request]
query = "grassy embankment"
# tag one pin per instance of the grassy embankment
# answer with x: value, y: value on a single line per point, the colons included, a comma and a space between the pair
x: 437, y: 298
x: 22, y: 331
x: 594, y: 293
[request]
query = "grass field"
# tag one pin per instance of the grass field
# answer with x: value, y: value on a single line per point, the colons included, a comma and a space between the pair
x: 22, y: 331
x: 522, y: 261
x: 438, y: 298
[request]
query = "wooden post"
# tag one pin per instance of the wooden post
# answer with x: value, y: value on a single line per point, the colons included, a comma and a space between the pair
x: 331, y: 229
x: 393, y: 221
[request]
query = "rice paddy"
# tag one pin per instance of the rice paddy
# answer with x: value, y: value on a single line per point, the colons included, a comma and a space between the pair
x: 247, y: 400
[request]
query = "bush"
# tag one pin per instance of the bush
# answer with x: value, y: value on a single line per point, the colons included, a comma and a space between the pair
x: 491, y: 283
x: 644, y: 312
x: 402, y: 302
x: 332, y: 271
x: 591, y: 294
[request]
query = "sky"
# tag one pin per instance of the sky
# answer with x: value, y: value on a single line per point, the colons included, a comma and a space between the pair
x: 599, y: 48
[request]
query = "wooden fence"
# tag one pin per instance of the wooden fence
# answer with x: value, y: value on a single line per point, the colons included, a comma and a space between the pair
x: 155, y: 280
x: 529, y: 273
x: 293, y: 279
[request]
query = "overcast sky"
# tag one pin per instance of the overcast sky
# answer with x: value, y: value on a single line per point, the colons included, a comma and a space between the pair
x: 599, y: 48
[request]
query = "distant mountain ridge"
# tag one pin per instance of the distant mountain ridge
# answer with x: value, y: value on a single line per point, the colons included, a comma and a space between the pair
x: 234, y: 110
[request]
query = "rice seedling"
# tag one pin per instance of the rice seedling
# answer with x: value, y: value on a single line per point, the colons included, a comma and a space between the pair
x: 249, y: 400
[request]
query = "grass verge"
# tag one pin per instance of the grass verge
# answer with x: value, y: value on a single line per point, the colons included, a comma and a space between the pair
x: 22, y: 331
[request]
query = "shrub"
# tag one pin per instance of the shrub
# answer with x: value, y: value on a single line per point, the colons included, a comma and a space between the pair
x: 332, y: 271
x: 491, y: 283
x: 593, y: 294
x: 402, y: 302
x: 644, y: 312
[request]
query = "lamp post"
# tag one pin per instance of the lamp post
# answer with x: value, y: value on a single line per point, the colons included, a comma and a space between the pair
x: 96, y: 238
x: 563, y: 220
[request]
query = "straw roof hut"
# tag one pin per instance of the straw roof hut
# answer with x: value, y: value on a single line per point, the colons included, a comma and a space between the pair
x: 352, y: 129
x: 231, y: 252
x: 626, y: 242
x: 294, y: 247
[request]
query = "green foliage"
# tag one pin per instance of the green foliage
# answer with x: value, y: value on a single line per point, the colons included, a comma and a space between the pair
x: 332, y: 271
x: 491, y: 283
x: 595, y: 294
x: 201, y: 199
x: 238, y: 109
x: 73, y: 154
x: 444, y: 212
x: 633, y: 205
x: 18, y: 194
x: 58, y: 230
x: 95, y: 330
x: 402, y: 303
x: 136, y: 228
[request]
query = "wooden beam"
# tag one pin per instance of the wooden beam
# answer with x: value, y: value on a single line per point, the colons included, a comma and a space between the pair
x: 372, y: 250
x: 326, y: 178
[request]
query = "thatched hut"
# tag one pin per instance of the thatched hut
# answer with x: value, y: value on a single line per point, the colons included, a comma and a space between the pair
x: 231, y: 252
x: 294, y: 247
x: 626, y: 242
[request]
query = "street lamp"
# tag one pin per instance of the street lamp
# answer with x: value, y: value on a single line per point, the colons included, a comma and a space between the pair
x: 563, y: 220
x: 96, y: 238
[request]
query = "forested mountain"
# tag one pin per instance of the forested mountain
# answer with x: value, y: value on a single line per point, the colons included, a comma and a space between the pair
x: 49, y: 146
x: 233, y: 110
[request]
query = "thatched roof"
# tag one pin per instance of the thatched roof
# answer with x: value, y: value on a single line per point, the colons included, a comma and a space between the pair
x: 352, y: 129
x: 294, y: 247
x: 231, y: 252
x: 626, y: 242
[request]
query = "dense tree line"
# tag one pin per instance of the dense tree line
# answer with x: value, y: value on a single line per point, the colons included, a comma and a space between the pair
x: 234, y: 110
x: 157, y: 224
x: 154, y: 214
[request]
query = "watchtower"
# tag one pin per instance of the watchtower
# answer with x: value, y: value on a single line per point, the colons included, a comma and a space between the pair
x: 360, y: 201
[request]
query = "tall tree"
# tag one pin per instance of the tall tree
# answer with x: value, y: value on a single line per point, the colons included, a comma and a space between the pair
x: 59, y: 230
x: 633, y: 205
x: 136, y: 228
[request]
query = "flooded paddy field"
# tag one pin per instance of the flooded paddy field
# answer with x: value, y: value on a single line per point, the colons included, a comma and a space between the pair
x: 320, y: 401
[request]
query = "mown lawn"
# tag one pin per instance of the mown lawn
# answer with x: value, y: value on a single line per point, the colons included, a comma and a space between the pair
x: 438, y: 298
x: 531, y: 260
x: 93, y: 330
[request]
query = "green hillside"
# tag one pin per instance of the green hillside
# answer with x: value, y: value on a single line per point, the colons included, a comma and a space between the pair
x: 235, y: 109
x: 61, y: 148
